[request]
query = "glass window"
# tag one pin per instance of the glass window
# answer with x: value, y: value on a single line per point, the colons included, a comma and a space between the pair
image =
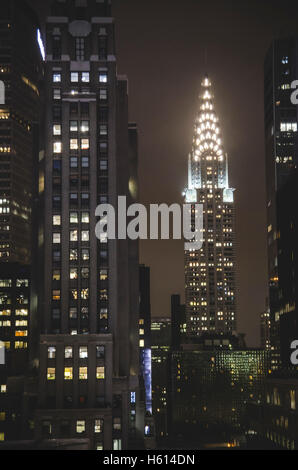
x: 73, y: 162
x: 5, y: 282
x: 57, y: 94
x: 73, y: 294
x: 73, y: 144
x: 85, y: 294
x: 73, y: 255
x: 51, y: 373
x: 57, y: 129
x: 73, y: 312
x: 98, y: 426
x: 67, y: 373
x: 73, y: 126
x: 51, y: 352
x: 57, y: 147
x: 85, y: 217
x: 85, y: 254
x: 83, y: 352
x: 73, y: 218
x: 74, y: 77
x: 85, y: 273
x: 57, y: 77
x: 103, y: 165
x: 103, y: 129
x: 85, y: 162
x: 73, y: 273
x: 85, y: 235
x: 100, y: 352
x: 73, y: 235
x: 100, y: 372
x: 80, y: 49
x: 56, y: 238
x: 56, y: 294
x: 103, y: 274
x: 56, y: 275
x: 80, y: 427
x: 117, y: 424
x: 103, y: 94
x: 84, y: 144
x: 84, y: 126
x: 85, y: 77
x: 83, y: 373
x: 56, y: 219
x: 103, y: 77
x: 117, y: 444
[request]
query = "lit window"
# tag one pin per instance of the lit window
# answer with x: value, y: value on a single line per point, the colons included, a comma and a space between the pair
x: 51, y: 352
x: 141, y: 343
x: 22, y: 283
x: 85, y: 254
x: 83, y: 373
x: 56, y: 294
x: 74, y: 77
x: 56, y: 238
x: 57, y: 147
x: 73, y: 218
x: 56, y: 275
x: 103, y: 274
x: 73, y: 235
x: 83, y: 352
x: 73, y: 144
x: 56, y: 219
x: 51, y: 373
x: 293, y: 399
x: 85, y: 218
x: 117, y: 444
x: 73, y: 255
x: 67, y: 373
x: 103, y: 129
x: 73, y: 273
x: 85, y: 294
x: 85, y: 126
x: 73, y: 312
x: 85, y: 77
x: 103, y: 77
x: 57, y: 129
x: 57, y: 77
x: 84, y: 144
x: 73, y: 126
x: 85, y: 273
x: 100, y: 372
x: 68, y: 352
x: 85, y: 235
x: 98, y: 426
x: 2, y: 388
x: 80, y: 427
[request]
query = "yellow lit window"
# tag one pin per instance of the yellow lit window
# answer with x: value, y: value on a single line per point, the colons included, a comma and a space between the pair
x: 100, y: 372
x: 2, y: 436
x: 83, y: 373
x: 2, y: 415
x: 51, y: 373
x: 21, y: 333
x: 68, y: 373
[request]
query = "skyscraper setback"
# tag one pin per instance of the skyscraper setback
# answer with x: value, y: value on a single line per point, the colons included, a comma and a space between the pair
x: 210, y: 273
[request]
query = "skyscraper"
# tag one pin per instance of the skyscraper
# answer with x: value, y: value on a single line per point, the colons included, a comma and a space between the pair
x: 88, y: 381
x: 21, y: 67
x: 280, y: 70
x: 210, y: 273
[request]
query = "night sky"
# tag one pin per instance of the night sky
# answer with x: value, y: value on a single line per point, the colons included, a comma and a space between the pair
x: 165, y: 47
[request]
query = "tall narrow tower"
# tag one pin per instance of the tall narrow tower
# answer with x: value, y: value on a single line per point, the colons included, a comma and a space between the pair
x: 210, y: 284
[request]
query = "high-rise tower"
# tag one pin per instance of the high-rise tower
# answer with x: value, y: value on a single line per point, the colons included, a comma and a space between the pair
x: 88, y: 382
x: 210, y: 273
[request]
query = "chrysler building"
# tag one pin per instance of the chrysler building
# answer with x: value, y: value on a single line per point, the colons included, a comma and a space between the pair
x: 210, y: 273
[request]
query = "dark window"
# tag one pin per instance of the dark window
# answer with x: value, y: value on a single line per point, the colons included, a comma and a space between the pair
x: 80, y: 49
x: 56, y: 48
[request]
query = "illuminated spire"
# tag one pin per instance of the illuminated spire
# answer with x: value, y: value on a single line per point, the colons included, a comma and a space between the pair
x: 207, y: 138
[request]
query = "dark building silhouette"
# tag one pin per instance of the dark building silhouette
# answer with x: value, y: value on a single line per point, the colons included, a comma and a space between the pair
x: 281, y: 67
x: 21, y: 71
x: 178, y: 322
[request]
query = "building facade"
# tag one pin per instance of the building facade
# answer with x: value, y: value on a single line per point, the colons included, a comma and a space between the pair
x: 89, y: 367
x: 280, y: 70
x: 21, y: 71
x: 210, y: 273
